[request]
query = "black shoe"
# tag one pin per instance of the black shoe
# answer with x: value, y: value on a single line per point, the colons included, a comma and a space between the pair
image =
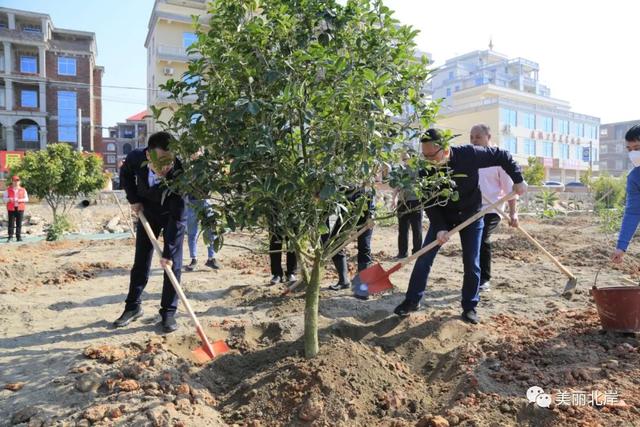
x: 400, y: 256
x: 486, y: 286
x: 212, y: 263
x: 10, y: 238
x: 192, y: 266
x: 275, y: 279
x: 339, y: 286
x: 406, y: 307
x: 471, y: 316
x: 169, y: 324
x: 127, y: 317
x: 18, y: 239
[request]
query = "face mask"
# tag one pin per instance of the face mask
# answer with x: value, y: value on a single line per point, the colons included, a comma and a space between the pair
x: 634, y: 156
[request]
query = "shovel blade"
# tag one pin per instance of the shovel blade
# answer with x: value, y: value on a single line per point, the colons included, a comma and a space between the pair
x: 202, y: 355
x: 570, y: 286
x: 376, y: 278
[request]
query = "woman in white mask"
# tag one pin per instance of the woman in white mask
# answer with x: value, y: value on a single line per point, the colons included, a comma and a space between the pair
x: 631, y: 217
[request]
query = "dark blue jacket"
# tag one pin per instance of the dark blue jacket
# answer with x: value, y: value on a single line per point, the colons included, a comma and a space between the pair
x: 160, y: 204
x: 465, y: 160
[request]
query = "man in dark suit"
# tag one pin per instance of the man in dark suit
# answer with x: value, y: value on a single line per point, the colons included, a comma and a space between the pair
x: 144, y: 177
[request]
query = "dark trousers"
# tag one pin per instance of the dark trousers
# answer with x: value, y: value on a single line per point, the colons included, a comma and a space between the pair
x: 275, y: 257
x: 470, y: 237
x: 491, y: 222
x: 142, y: 266
x: 364, y: 250
x: 409, y: 216
x: 15, y: 221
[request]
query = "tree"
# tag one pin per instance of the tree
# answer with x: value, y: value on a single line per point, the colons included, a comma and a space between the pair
x: 289, y: 105
x: 534, y: 172
x: 59, y: 175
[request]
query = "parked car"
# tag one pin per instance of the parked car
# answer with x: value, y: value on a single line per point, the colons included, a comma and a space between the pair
x: 553, y: 185
x: 575, y: 187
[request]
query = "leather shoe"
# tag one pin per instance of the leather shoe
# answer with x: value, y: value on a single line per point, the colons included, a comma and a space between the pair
x: 169, y: 324
x: 127, y: 317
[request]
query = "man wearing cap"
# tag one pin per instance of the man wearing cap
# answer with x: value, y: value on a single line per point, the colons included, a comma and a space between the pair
x: 463, y: 161
x: 15, y: 197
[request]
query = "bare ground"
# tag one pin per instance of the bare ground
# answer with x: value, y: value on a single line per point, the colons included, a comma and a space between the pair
x: 63, y: 364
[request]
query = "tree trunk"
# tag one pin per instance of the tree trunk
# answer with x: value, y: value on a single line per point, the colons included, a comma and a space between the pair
x: 311, y: 345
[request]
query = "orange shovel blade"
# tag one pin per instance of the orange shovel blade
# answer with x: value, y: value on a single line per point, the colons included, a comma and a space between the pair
x: 202, y: 355
x: 376, y: 278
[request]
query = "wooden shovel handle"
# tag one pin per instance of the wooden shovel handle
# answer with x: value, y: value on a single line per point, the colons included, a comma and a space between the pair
x: 537, y: 244
x: 353, y: 236
x: 451, y: 232
x: 176, y: 285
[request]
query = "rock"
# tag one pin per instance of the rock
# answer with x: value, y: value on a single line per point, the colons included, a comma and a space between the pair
x: 183, y: 389
x: 432, y: 421
x: 14, y: 386
x: 184, y: 405
x: 311, y: 409
x: 95, y: 413
x: 83, y: 423
x: 25, y: 414
x: 112, y: 224
x: 129, y: 385
x: 158, y: 416
x: 105, y: 353
x: 132, y: 371
x: 114, y: 413
x: 36, y: 422
x: 612, y: 364
x: 88, y: 382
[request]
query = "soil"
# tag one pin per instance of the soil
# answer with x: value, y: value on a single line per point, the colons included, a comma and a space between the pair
x: 62, y: 363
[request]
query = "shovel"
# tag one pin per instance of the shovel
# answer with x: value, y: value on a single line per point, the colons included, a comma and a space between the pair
x: 208, y: 350
x: 375, y: 279
x: 572, y: 282
x: 353, y: 236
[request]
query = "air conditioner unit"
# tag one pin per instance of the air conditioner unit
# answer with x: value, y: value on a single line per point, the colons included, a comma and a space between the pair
x: 168, y: 71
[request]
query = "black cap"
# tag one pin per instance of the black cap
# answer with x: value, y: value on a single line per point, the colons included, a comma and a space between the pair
x: 432, y: 135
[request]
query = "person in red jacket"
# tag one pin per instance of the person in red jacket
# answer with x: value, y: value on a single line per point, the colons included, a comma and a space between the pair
x: 15, y: 197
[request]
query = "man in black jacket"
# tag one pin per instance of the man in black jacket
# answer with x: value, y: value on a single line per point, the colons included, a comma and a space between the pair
x: 464, y: 162
x: 141, y: 177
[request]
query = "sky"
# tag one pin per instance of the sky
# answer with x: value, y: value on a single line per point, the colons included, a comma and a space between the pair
x: 587, y: 50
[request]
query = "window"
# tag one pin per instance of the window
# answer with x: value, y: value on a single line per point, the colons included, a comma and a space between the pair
x: 30, y: 133
x: 547, y: 149
x: 577, y: 129
x: 111, y: 147
x: 28, y: 64
x: 529, y: 120
x: 29, y: 98
x: 111, y: 158
x: 508, y: 117
x: 448, y: 91
x: 67, y: 117
x: 188, y: 39
x: 510, y: 143
x: 66, y: 66
x: 579, y: 152
x: 547, y: 124
x: 529, y: 147
x: 450, y: 75
x: 562, y: 126
x: 2, y: 100
x: 31, y: 28
x: 603, y: 149
x: 564, y: 151
x: 604, y: 132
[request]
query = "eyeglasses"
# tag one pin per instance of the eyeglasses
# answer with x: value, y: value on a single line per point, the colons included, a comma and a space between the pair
x: 433, y: 155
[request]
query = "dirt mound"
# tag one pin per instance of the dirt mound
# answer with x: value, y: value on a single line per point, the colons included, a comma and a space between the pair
x: 349, y: 383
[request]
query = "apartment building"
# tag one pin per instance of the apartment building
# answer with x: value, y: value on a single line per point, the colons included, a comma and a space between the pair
x: 170, y: 33
x: 613, y: 153
x: 505, y: 93
x: 122, y: 139
x: 49, y: 84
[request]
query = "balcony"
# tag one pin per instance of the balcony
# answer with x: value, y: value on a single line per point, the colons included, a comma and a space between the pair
x: 172, y: 53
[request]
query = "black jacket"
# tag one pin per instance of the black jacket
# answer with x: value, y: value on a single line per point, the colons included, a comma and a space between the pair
x: 465, y: 160
x: 160, y: 204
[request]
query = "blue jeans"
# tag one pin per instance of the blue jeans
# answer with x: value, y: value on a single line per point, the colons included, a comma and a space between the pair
x: 192, y: 228
x: 470, y: 237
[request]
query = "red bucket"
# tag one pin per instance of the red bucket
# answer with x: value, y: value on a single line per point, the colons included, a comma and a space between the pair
x: 618, y: 308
